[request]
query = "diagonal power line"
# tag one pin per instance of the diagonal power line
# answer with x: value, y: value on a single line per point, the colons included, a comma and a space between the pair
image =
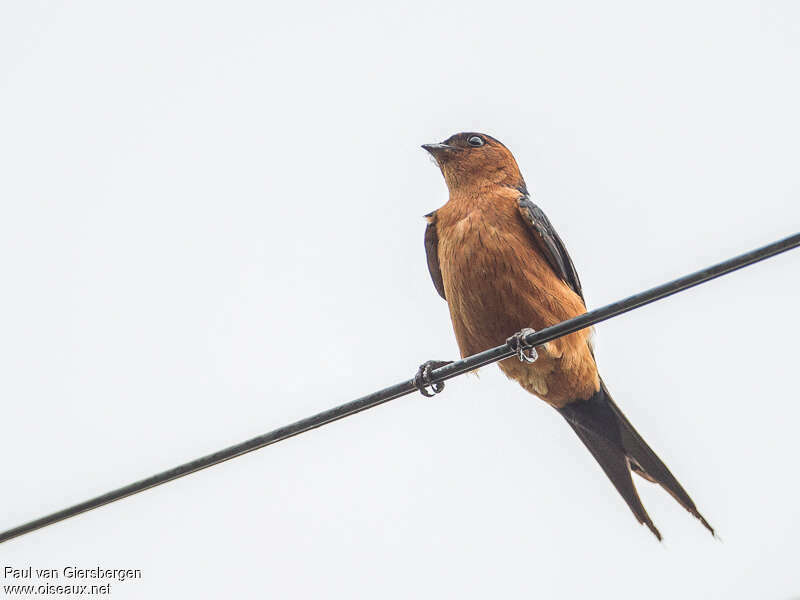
x: 404, y: 388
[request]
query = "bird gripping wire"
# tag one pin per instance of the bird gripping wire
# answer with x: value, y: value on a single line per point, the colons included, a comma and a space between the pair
x: 524, y: 339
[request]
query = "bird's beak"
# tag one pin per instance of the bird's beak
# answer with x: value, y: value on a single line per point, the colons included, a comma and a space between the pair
x: 437, y: 149
x: 440, y: 153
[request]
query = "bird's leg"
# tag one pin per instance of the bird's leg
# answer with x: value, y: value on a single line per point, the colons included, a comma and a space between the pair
x: 524, y: 351
x: 422, y: 380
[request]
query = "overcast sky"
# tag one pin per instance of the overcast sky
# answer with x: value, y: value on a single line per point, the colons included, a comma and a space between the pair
x: 212, y: 226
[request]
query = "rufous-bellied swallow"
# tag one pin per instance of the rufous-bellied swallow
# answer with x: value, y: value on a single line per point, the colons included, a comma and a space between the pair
x: 502, y: 268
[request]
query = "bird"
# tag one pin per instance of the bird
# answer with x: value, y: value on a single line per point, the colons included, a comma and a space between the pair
x: 496, y: 259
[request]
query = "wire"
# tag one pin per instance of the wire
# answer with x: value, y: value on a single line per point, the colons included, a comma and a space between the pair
x: 404, y: 388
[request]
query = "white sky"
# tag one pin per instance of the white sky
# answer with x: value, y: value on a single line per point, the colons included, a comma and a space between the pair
x: 212, y: 226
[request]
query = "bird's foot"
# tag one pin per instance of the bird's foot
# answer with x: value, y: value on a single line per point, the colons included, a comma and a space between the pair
x: 524, y: 351
x: 422, y: 380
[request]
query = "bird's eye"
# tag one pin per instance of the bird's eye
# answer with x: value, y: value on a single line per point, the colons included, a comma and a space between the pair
x: 475, y: 141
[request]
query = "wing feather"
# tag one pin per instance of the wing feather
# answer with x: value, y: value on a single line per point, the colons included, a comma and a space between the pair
x: 550, y: 244
x: 432, y: 252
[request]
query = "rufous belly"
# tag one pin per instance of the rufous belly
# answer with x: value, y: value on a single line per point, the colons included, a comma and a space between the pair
x: 497, y: 283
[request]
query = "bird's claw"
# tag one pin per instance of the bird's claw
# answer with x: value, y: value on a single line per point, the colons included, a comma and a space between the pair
x: 524, y: 351
x: 422, y: 380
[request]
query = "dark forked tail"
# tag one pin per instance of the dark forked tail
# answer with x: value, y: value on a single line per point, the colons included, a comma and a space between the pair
x: 619, y: 449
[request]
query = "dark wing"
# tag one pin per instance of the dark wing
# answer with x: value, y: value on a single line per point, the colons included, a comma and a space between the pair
x: 432, y: 251
x: 549, y: 243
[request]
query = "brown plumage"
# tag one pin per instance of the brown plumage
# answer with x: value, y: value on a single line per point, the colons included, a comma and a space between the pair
x: 496, y: 259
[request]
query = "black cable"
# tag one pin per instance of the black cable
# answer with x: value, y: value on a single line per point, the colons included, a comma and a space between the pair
x: 441, y: 374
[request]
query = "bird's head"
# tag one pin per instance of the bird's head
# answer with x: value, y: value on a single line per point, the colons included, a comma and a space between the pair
x: 475, y: 160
